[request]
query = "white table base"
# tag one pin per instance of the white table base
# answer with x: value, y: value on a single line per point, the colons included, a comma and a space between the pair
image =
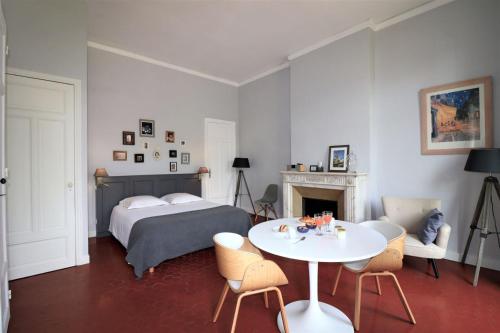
x: 314, y: 316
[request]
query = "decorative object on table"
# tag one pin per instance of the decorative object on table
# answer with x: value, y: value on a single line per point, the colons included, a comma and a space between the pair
x: 302, y: 229
x: 156, y: 155
x: 173, y: 166
x: 484, y: 161
x: 185, y: 158
x: 320, y: 167
x: 203, y: 170
x: 169, y: 136
x: 456, y: 117
x: 139, y: 158
x: 238, y: 259
x: 301, y: 167
x: 352, y: 161
x: 128, y: 138
x: 242, y: 163
x: 411, y: 213
x: 381, y: 265
x: 147, y: 128
x: 172, y: 153
x: 337, y: 158
x: 99, y: 173
x: 119, y: 155
x: 266, y: 203
x: 291, y: 167
x: 313, y: 168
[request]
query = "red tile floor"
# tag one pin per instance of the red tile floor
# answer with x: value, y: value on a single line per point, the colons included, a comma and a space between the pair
x: 181, y: 295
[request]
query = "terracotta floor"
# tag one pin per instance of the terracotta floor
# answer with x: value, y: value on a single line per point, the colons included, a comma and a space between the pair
x: 180, y: 297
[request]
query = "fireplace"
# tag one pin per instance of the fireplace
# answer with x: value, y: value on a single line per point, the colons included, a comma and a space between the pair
x: 345, y: 194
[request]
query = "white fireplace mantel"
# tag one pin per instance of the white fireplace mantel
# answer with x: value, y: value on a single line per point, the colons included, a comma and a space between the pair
x: 354, y: 185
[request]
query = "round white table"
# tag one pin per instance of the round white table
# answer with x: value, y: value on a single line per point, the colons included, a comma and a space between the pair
x: 311, y: 315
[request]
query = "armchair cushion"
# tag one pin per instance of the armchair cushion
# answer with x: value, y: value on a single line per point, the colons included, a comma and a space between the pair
x: 430, y: 226
x: 414, y: 247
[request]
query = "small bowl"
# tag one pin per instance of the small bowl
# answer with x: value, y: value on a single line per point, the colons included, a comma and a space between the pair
x: 302, y: 229
x: 310, y: 226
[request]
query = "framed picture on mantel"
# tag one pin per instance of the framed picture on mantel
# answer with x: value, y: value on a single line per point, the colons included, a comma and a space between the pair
x: 337, y: 158
x: 456, y: 117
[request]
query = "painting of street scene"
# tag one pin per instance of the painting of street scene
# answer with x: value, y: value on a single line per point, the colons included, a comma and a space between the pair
x: 456, y: 116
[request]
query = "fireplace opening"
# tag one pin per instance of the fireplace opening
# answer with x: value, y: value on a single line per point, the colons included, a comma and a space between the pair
x: 312, y: 206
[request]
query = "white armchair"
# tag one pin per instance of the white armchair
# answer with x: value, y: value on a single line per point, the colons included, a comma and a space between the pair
x: 409, y: 213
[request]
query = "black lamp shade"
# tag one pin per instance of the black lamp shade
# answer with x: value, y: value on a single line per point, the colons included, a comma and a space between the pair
x: 484, y: 160
x: 241, y: 162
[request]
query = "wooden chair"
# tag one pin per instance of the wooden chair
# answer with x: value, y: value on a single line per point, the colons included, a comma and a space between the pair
x: 247, y: 273
x: 382, y: 265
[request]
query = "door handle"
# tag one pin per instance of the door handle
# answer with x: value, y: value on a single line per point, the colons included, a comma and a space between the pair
x: 3, y: 180
x: 70, y: 185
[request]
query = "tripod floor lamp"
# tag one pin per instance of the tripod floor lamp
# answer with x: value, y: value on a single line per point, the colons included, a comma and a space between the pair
x: 242, y: 163
x: 486, y: 161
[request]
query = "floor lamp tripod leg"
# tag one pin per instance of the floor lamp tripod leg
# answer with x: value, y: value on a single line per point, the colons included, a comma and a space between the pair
x: 248, y: 191
x: 475, y: 220
x: 483, y: 235
x: 238, y: 182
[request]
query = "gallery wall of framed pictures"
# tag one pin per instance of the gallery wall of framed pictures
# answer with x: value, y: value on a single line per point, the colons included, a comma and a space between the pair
x: 146, y: 148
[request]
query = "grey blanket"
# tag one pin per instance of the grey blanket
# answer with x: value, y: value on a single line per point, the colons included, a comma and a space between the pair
x: 154, y: 239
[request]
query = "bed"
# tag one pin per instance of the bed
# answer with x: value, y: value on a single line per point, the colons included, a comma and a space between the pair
x: 154, y: 234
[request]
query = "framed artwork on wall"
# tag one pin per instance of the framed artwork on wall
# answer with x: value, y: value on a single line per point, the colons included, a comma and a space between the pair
x: 173, y: 166
x: 337, y: 158
x: 139, y: 158
x: 169, y: 136
x: 128, y: 138
x: 185, y: 158
x: 456, y: 117
x: 119, y: 155
x: 147, y: 128
x: 172, y: 153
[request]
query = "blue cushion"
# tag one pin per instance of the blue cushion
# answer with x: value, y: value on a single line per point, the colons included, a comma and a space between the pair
x: 430, y: 226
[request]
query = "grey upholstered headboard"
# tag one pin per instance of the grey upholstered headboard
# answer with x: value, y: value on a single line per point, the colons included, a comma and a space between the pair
x: 120, y: 187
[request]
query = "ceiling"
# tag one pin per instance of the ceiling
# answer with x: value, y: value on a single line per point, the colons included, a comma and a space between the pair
x: 233, y: 40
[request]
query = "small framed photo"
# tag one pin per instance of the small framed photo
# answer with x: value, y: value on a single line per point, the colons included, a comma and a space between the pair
x: 139, y: 158
x: 169, y: 136
x: 313, y: 168
x: 337, y: 158
x: 119, y: 155
x: 173, y: 166
x: 156, y: 155
x: 128, y: 138
x: 185, y: 158
x: 147, y: 128
x: 172, y: 153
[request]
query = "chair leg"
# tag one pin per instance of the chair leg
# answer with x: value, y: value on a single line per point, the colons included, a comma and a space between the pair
x: 434, y: 267
x: 240, y: 297
x: 222, y: 298
x: 266, y: 212
x: 257, y: 215
x: 379, y: 290
x: 357, y: 301
x: 274, y: 211
x: 337, y: 279
x: 403, y: 298
x: 282, y: 308
x: 266, y: 300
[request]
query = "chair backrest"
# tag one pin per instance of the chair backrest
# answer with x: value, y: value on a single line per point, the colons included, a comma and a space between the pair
x: 232, y: 261
x: 408, y: 212
x: 392, y: 258
x: 271, y: 194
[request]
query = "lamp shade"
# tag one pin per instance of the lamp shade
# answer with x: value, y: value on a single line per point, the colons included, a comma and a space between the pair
x: 241, y: 162
x: 203, y: 170
x: 483, y: 160
x: 101, y: 172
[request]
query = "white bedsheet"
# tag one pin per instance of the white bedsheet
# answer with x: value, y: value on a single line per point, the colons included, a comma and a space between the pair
x: 123, y: 219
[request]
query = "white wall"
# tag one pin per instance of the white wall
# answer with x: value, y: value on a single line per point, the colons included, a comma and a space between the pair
x: 123, y: 90
x: 50, y: 37
x: 264, y: 115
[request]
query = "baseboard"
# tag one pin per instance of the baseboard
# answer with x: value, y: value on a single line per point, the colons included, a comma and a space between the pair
x: 250, y: 211
x: 92, y: 233
x: 82, y: 260
x: 472, y: 260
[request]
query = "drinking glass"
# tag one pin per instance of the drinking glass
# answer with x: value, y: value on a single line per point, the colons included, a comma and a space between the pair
x: 318, y: 219
x: 327, y: 218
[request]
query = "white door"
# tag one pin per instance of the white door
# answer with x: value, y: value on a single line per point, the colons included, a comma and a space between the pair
x: 41, y: 162
x: 220, y: 151
x: 4, y: 281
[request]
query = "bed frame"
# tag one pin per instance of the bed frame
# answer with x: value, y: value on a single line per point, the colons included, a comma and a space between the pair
x: 113, y: 189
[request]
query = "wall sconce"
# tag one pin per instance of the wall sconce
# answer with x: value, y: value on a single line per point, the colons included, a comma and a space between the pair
x: 203, y: 170
x: 99, y: 173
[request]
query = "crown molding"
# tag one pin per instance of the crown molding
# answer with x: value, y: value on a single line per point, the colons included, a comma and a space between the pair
x: 266, y: 73
x: 369, y: 24
x: 160, y: 63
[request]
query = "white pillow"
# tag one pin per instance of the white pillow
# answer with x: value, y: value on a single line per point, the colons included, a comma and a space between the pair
x: 142, y: 201
x: 180, y: 198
